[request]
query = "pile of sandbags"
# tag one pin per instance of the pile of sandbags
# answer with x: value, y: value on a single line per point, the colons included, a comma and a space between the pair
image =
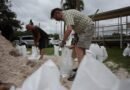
x: 100, y: 52
x: 91, y: 75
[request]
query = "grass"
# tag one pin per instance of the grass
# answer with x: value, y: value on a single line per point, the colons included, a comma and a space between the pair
x: 115, y: 55
x: 49, y: 51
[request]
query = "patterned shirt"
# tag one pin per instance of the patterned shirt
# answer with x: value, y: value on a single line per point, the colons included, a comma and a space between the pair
x: 76, y: 19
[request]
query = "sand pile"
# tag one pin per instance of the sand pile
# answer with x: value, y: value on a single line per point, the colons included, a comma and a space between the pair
x: 14, y: 69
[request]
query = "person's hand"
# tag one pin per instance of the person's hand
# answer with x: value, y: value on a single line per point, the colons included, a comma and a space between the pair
x: 62, y: 44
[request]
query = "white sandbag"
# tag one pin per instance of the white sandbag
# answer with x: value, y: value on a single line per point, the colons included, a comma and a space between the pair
x: 94, y: 75
x: 23, y: 50
x: 18, y: 48
x: 97, y: 51
x: 66, y: 62
x: 104, y: 54
x: 47, y: 77
x: 126, y: 51
x: 124, y: 85
x: 68, y: 42
x: 35, y: 54
x: 56, y: 50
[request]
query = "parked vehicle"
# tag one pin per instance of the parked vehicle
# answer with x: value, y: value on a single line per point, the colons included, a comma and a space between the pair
x: 25, y: 40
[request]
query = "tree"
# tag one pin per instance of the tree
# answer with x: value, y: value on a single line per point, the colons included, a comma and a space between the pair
x: 8, y: 21
x: 74, y: 4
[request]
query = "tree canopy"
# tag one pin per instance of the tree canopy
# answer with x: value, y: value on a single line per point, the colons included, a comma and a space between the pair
x: 74, y: 4
x: 8, y: 21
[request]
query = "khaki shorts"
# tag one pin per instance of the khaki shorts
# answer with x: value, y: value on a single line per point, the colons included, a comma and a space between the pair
x: 85, y: 37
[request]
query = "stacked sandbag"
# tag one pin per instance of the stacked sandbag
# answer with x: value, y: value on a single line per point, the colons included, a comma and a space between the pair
x: 100, y: 52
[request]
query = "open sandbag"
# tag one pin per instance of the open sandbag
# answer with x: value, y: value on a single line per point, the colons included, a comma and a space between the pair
x: 68, y: 42
x: 66, y: 62
x: 94, y: 75
x: 35, y: 54
x: 47, y: 77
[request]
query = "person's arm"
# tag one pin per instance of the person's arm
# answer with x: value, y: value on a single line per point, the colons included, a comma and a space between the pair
x: 36, y: 37
x: 66, y: 35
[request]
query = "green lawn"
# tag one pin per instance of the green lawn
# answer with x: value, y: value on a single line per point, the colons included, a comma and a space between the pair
x: 115, y: 55
x: 49, y: 51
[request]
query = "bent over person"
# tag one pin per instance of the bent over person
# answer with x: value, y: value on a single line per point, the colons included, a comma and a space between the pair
x: 80, y: 23
x: 39, y: 38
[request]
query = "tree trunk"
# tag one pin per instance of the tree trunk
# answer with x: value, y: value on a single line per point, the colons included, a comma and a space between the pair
x: 78, y: 4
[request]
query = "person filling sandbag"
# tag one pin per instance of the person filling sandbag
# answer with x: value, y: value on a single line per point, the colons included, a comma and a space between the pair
x: 81, y: 24
x: 39, y: 37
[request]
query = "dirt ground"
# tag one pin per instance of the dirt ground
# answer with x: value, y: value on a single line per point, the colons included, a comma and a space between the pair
x: 15, y: 68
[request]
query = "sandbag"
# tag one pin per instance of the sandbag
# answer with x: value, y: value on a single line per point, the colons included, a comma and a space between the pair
x: 94, y: 75
x: 56, y: 50
x: 104, y: 54
x: 97, y: 50
x: 22, y: 50
x: 126, y: 51
x: 35, y: 55
x: 18, y: 48
x: 47, y: 77
x: 100, y: 52
x: 124, y: 85
x: 66, y: 62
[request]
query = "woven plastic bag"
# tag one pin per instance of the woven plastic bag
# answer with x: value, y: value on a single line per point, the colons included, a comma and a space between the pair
x: 104, y: 54
x: 56, y: 50
x: 47, y: 77
x: 23, y: 50
x: 100, y: 52
x: 94, y: 75
x: 126, y: 51
x: 66, y: 62
x: 18, y: 48
x: 35, y: 55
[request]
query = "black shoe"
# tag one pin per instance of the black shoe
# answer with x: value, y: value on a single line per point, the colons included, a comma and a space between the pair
x: 71, y: 78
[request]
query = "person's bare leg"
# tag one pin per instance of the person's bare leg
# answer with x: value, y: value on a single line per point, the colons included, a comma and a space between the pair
x: 41, y: 53
x: 80, y: 52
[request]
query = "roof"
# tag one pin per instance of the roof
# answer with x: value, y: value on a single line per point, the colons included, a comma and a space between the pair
x: 112, y: 14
